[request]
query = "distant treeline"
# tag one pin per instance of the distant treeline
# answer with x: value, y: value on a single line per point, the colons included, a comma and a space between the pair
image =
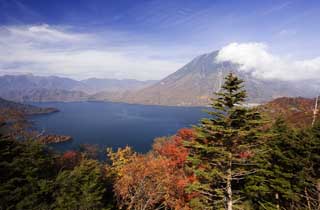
x: 235, y: 159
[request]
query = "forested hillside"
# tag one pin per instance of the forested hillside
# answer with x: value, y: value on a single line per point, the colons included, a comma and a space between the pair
x: 238, y: 158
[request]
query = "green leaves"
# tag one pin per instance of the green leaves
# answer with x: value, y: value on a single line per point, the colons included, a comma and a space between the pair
x: 26, y: 170
x: 29, y: 180
x: 80, y: 188
x: 285, y: 169
x: 225, y: 144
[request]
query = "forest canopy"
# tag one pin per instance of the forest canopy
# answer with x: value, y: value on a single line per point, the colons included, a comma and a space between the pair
x: 237, y: 158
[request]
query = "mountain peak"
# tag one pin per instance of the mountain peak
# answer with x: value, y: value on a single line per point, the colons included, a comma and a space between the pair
x: 195, y: 83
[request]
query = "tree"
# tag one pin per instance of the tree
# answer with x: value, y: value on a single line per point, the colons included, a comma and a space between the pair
x: 150, y: 182
x: 81, y: 188
x: 220, y: 154
x: 118, y: 159
x: 172, y: 147
x: 26, y: 175
x: 68, y: 160
x: 311, y: 147
x: 288, y: 172
x: 158, y: 179
x: 279, y: 179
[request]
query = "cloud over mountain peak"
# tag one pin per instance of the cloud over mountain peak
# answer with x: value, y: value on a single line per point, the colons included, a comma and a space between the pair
x: 256, y: 58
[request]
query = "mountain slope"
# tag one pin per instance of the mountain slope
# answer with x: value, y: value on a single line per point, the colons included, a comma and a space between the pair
x: 38, y: 88
x: 296, y: 111
x: 25, y: 109
x: 194, y: 84
x: 30, y: 82
x: 96, y: 85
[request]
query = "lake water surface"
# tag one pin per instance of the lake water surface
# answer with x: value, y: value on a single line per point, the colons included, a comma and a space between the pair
x: 114, y: 125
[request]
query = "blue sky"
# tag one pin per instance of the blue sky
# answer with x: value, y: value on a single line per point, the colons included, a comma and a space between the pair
x: 151, y: 39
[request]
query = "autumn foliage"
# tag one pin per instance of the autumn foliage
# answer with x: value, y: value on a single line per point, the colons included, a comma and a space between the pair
x: 69, y: 159
x: 157, y: 179
x: 172, y: 148
x: 297, y: 112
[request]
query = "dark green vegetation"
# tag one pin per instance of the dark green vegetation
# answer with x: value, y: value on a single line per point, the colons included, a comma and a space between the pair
x: 217, y: 155
x: 24, y: 108
x: 232, y: 160
x: 34, y: 178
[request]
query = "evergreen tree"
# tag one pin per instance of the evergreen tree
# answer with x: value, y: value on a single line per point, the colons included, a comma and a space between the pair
x: 81, y: 188
x: 26, y: 175
x: 278, y: 182
x: 311, y: 147
x: 288, y: 170
x: 220, y: 155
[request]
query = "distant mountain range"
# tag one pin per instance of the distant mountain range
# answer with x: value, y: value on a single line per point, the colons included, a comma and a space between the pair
x: 30, y: 88
x: 192, y: 85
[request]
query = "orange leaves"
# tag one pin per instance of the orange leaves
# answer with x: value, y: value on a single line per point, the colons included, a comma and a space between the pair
x: 156, y: 179
x: 141, y: 183
x: 186, y: 133
x: 173, y: 148
x: 297, y: 112
x: 148, y: 181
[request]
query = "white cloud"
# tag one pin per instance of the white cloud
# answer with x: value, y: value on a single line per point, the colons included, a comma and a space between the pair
x: 256, y: 59
x: 44, y: 33
x: 47, y: 50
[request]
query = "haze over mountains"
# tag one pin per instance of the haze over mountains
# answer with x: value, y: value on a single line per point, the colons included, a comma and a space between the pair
x: 191, y: 85
x: 30, y: 88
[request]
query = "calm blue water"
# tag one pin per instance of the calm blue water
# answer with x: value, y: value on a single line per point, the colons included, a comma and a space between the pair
x: 114, y: 125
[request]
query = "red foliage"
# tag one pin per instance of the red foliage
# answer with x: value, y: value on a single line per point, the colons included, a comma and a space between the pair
x: 245, y: 155
x: 150, y: 180
x: 159, y: 177
x: 173, y: 148
x: 297, y: 112
x: 186, y: 133
x: 69, y: 155
x: 69, y: 159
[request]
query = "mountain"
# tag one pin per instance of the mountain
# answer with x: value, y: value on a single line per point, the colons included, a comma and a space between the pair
x: 38, y: 88
x: 25, y: 88
x: 192, y: 85
x: 195, y: 83
x: 295, y: 111
x: 31, y: 82
x: 25, y: 109
x: 96, y: 85
x: 44, y: 95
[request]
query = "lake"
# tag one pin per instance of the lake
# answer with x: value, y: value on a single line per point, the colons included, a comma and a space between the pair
x: 108, y: 124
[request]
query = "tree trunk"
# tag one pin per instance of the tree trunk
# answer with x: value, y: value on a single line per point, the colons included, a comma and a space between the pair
x: 277, y: 200
x: 307, y: 197
x: 315, y: 111
x: 318, y: 189
x: 229, y: 187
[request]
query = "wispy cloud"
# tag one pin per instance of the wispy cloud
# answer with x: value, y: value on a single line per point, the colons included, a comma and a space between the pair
x: 256, y: 59
x: 44, y: 33
x: 277, y: 8
x: 287, y: 32
x: 48, y: 50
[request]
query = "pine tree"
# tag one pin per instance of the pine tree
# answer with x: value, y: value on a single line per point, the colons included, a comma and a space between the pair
x: 220, y: 155
x: 26, y: 175
x: 280, y: 179
x: 311, y: 147
x: 81, y: 188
